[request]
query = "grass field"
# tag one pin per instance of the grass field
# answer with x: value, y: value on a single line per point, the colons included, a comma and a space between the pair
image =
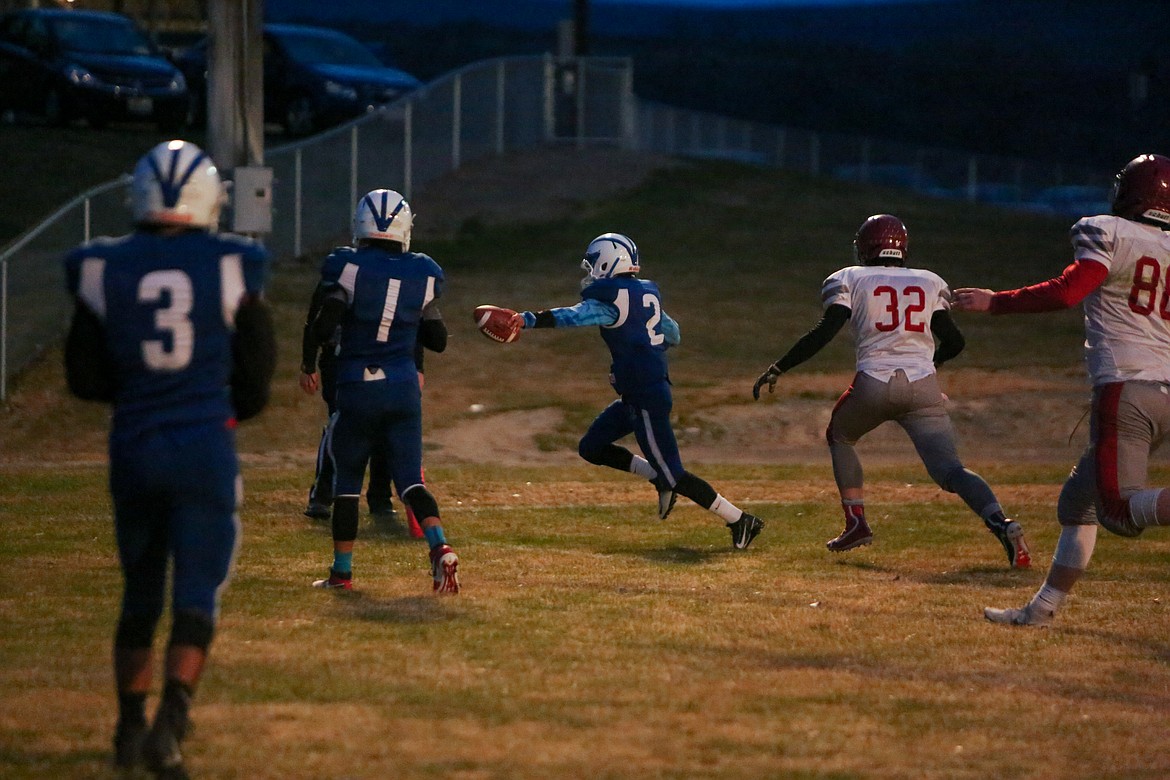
x: 591, y: 640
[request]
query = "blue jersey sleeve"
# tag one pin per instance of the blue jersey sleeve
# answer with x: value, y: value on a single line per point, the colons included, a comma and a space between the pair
x: 587, y: 312
x: 670, y: 330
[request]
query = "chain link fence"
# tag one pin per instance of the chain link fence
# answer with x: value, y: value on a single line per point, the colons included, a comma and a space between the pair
x: 497, y: 106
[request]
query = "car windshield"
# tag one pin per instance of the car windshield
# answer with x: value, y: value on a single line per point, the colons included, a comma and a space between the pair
x: 100, y: 36
x: 326, y: 49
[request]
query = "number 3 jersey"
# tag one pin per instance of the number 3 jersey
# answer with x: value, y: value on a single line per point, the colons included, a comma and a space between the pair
x: 891, y: 310
x: 1127, y: 318
x: 168, y: 306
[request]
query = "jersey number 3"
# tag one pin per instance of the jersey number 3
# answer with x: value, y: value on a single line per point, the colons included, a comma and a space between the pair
x: 903, y: 311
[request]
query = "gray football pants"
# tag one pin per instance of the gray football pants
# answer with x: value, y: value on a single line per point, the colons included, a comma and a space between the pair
x: 918, y: 408
x: 1129, y: 421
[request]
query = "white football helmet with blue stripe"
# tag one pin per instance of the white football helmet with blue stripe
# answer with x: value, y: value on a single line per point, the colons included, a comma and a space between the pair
x: 176, y: 183
x: 384, y: 215
x: 609, y: 255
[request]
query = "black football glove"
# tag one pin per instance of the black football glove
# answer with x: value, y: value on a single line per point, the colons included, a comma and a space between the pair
x: 768, y: 378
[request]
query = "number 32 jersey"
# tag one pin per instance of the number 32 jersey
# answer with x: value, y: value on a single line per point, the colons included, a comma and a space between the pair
x: 891, y: 310
x: 1127, y: 318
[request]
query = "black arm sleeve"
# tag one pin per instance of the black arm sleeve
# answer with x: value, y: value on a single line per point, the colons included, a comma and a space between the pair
x: 309, y: 347
x: 328, y: 318
x: 545, y: 319
x: 432, y: 333
x: 812, y: 342
x: 89, y: 370
x: 253, y: 358
x: 950, y: 339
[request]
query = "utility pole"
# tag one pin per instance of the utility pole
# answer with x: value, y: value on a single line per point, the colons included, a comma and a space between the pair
x: 235, y: 108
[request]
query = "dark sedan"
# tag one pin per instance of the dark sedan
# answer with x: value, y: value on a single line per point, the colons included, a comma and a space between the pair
x: 67, y: 65
x: 313, y: 77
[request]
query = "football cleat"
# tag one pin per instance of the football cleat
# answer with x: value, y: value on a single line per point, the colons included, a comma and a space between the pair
x: 318, y: 510
x: 743, y: 530
x: 128, y: 742
x: 666, y: 499
x: 1011, y: 535
x: 336, y: 580
x: 1028, y: 616
x: 856, y: 534
x: 161, y: 749
x: 444, y: 569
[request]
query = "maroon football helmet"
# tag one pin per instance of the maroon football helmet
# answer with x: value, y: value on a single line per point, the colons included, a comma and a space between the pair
x: 881, y: 240
x: 1142, y: 190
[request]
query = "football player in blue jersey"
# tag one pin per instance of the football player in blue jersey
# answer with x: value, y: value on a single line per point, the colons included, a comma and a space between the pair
x: 383, y: 298
x: 171, y: 327
x: 638, y: 332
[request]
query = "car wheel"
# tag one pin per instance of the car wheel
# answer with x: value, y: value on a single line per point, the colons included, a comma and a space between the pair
x: 54, y: 108
x: 300, y: 116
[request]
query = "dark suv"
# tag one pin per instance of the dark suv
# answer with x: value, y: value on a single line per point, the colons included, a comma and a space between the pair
x: 313, y: 77
x: 67, y: 65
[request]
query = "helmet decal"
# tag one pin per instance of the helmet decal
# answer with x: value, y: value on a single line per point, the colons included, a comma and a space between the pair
x: 381, y: 219
x: 171, y: 183
x: 610, y: 254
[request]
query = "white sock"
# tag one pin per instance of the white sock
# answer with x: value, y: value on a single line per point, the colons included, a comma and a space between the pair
x: 725, y: 509
x: 642, y: 468
x: 1048, y: 599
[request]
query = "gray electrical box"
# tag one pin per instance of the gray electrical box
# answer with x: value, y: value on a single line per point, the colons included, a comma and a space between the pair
x: 252, y: 200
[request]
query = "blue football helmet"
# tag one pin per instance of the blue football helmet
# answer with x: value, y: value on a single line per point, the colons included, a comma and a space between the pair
x: 609, y: 255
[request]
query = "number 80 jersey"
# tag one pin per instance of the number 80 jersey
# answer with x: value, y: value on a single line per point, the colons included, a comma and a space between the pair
x: 1127, y: 318
x: 891, y: 310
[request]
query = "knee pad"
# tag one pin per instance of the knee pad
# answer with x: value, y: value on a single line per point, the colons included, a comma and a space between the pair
x: 345, y: 518
x: 135, y: 631
x: 192, y: 629
x: 421, y: 502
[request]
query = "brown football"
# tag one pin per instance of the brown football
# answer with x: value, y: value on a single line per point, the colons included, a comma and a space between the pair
x: 496, y: 323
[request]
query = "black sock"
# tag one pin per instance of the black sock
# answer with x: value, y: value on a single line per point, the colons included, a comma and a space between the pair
x: 132, y: 708
x: 176, y: 701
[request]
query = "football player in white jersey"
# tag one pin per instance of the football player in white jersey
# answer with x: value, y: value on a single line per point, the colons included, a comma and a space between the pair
x: 1121, y: 271
x: 895, y: 313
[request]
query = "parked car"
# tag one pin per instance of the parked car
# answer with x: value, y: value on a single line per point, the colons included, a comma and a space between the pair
x: 66, y: 65
x: 313, y: 78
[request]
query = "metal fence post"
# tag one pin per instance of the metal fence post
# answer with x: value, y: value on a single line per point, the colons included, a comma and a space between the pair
x: 407, y: 148
x: 353, y: 165
x: 500, y: 105
x: 456, y: 121
x: 86, y: 220
x: 581, y: 68
x: 550, y: 78
x: 297, y: 203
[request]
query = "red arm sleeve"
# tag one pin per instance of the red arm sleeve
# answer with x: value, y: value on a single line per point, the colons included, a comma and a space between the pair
x: 1060, y: 292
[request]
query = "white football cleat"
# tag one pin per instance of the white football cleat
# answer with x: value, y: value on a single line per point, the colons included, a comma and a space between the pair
x: 1019, y: 617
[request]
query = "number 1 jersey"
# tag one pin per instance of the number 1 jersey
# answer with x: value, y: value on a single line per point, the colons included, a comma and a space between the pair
x: 891, y: 310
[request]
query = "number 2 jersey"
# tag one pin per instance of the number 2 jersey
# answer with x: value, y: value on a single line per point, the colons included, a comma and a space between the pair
x: 637, y: 342
x: 1127, y: 318
x: 891, y: 311
x: 168, y: 305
